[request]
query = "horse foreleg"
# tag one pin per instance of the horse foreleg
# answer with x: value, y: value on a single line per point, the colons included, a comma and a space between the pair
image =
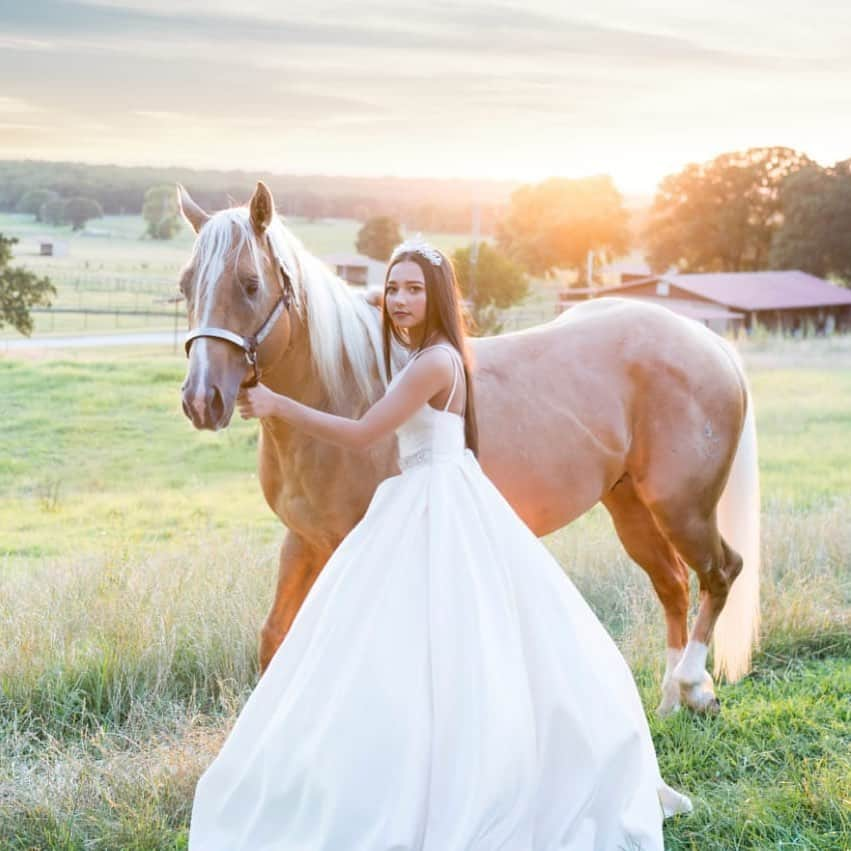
x: 651, y: 550
x: 298, y: 568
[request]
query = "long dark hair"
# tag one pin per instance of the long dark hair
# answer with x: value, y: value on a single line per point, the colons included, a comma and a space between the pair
x: 443, y: 314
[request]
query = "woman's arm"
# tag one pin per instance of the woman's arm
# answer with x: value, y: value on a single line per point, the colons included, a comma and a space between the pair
x: 424, y: 378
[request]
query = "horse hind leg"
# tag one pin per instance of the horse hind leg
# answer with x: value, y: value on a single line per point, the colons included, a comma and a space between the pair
x: 652, y: 551
x: 697, y: 539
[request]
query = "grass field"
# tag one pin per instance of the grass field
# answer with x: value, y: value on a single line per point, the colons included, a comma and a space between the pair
x: 137, y: 560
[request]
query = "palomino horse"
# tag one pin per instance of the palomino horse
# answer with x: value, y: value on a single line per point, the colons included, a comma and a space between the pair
x: 614, y: 401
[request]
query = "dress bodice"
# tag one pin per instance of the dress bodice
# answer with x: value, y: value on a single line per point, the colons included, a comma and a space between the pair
x: 430, y: 432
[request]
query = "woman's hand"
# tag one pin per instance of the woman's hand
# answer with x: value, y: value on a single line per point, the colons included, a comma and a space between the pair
x: 257, y: 401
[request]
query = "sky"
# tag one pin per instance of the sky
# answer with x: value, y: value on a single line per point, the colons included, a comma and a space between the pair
x: 518, y: 91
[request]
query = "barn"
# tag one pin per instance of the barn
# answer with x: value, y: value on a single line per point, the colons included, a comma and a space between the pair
x: 357, y: 269
x: 786, y: 301
x: 50, y: 247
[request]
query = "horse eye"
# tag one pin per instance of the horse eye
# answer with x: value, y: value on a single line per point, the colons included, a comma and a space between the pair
x: 252, y: 286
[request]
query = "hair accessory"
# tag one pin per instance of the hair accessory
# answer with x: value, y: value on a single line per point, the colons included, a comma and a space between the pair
x: 418, y: 245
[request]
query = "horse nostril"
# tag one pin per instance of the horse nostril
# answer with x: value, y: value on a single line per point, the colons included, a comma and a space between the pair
x: 190, y: 409
x: 217, y: 405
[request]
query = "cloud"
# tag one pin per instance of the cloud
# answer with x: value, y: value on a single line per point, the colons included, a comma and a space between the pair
x: 490, y: 30
x: 16, y: 106
x: 414, y: 86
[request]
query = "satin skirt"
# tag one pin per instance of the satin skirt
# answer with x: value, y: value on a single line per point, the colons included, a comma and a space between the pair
x: 444, y: 687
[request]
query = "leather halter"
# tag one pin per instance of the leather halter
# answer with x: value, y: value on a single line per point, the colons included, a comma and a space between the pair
x: 251, y: 344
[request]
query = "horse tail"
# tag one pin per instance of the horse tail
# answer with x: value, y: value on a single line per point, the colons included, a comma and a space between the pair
x: 738, y: 515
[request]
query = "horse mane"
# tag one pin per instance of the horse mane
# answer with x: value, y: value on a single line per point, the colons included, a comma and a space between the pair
x: 342, y: 326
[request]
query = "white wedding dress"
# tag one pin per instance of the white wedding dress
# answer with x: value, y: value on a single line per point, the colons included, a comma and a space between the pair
x: 443, y: 687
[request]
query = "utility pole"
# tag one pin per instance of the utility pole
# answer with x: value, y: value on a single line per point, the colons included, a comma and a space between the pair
x: 474, y: 256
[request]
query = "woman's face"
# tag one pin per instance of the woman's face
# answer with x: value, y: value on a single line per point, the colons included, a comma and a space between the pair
x: 405, y: 295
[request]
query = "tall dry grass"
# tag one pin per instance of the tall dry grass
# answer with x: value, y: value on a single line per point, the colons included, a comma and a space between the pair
x: 122, y: 674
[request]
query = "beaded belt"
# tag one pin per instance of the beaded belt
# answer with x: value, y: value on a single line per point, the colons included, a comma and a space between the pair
x: 427, y: 455
x: 422, y: 456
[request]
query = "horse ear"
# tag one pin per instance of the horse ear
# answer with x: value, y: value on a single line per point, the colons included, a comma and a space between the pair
x: 261, y: 208
x: 190, y: 211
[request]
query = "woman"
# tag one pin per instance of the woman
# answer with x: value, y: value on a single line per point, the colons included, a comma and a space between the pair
x: 443, y: 686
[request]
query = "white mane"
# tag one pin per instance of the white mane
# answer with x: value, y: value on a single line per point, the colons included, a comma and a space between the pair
x: 341, y: 324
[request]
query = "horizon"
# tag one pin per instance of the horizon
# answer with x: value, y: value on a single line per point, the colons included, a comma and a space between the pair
x: 537, y: 92
x: 260, y: 174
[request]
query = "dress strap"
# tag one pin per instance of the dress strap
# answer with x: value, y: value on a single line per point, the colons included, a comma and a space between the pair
x: 455, y: 367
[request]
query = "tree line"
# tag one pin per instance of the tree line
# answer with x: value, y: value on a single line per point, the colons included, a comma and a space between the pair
x: 763, y: 208
x: 423, y: 204
x: 50, y: 207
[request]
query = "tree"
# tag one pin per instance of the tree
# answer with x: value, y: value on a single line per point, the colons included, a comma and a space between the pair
x: 720, y: 216
x: 53, y: 211
x: 378, y: 237
x: 499, y: 283
x: 20, y: 290
x: 32, y: 202
x: 79, y: 210
x: 554, y: 224
x: 159, y: 210
x: 814, y: 235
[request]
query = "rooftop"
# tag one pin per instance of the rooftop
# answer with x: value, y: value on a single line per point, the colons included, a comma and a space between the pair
x: 762, y: 290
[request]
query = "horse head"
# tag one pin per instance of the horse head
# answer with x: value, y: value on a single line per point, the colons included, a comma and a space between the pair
x: 238, y: 290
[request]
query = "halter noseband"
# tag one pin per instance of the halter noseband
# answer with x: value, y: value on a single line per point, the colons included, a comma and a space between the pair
x: 251, y: 344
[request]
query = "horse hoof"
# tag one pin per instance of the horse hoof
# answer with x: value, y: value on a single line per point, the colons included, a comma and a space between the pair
x: 664, y: 709
x: 669, y: 704
x: 699, y: 699
x: 711, y: 707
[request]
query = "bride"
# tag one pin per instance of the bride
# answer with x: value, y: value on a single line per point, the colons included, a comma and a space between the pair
x: 444, y: 686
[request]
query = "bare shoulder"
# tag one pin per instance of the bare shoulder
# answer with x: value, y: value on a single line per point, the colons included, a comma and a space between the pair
x: 440, y: 355
x: 434, y: 363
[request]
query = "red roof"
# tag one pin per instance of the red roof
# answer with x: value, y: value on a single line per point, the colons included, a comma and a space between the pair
x: 762, y: 290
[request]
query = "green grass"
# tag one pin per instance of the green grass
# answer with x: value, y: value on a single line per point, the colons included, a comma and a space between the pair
x: 804, y: 425
x: 773, y: 768
x: 137, y: 560
x: 75, y: 430
x: 97, y: 450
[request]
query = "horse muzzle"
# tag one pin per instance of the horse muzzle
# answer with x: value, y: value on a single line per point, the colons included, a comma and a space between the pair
x: 206, y: 408
x: 209, y: 391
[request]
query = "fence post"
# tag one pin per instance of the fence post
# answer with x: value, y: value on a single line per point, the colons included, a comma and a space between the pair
x: 176, y: 315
